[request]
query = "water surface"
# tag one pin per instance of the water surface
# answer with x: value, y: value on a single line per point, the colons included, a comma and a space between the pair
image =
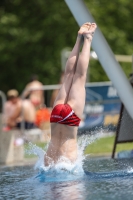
x: 103, y: 179
x: 86, y: 179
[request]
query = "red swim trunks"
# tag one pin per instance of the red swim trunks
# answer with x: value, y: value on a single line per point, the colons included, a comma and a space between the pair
x: 63, y: 114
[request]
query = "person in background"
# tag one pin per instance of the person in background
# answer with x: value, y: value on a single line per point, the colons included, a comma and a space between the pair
x: 17, y: 111
x: 9, y: 108
x: 34, y: 91
x: 43, y: 118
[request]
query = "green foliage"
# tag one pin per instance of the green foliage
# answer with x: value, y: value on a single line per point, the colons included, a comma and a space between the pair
x: 33, y: 33
x: 114, y: 19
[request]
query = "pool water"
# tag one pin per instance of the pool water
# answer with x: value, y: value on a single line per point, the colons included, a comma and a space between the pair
x: 103, y: 179
x: 86, y: 179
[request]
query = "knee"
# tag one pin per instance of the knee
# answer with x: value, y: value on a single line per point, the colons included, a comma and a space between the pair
x: 68, y: 75
x: 80, y: 74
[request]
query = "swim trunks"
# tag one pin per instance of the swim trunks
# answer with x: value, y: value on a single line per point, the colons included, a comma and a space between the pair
x: 63, y: 114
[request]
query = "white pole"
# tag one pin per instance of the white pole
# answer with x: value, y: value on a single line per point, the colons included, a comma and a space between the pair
x: 105, y: 55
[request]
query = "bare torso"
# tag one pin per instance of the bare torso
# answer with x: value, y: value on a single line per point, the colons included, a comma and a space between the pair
x: 19, y: 111
x: 28, y: 111
x: 63, y: 143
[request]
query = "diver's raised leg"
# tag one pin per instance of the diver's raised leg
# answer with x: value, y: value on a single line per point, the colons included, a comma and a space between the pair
x: 70, y: 68
x: 77, y: 92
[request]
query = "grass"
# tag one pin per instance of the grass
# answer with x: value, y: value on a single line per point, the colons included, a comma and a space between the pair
x: 102, y: 146
x: 105, y: 146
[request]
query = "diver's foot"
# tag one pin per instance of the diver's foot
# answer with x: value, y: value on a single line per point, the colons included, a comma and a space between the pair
x: 89, y: 33
x: 85, y: 27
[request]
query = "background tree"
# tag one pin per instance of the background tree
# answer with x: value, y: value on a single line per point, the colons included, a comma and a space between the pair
x: 114, y: 18
x: 33, y: 33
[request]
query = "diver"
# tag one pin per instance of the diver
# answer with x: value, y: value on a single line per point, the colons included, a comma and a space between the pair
x: 69, y: 103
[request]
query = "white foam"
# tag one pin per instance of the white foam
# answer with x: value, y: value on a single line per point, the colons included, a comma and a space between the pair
x: 63, y: 163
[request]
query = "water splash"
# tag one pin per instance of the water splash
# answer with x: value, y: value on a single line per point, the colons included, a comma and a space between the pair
x: 64, y: 169
x: 130, y: 169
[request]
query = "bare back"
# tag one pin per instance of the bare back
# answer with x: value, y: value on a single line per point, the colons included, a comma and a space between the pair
x: 63, y: 142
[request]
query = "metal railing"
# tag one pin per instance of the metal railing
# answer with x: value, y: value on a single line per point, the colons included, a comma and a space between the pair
x: 3, y: 98
x: 99, y: 99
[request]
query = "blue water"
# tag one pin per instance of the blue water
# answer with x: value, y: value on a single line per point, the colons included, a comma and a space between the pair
x: 102, y: 179
x: 86, y: 179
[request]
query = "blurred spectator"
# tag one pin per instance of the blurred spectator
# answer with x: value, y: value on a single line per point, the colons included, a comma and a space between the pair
x: 34, y: 91
x: 55, y: 92
x: 17, y: 111
x: 43, y: 118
